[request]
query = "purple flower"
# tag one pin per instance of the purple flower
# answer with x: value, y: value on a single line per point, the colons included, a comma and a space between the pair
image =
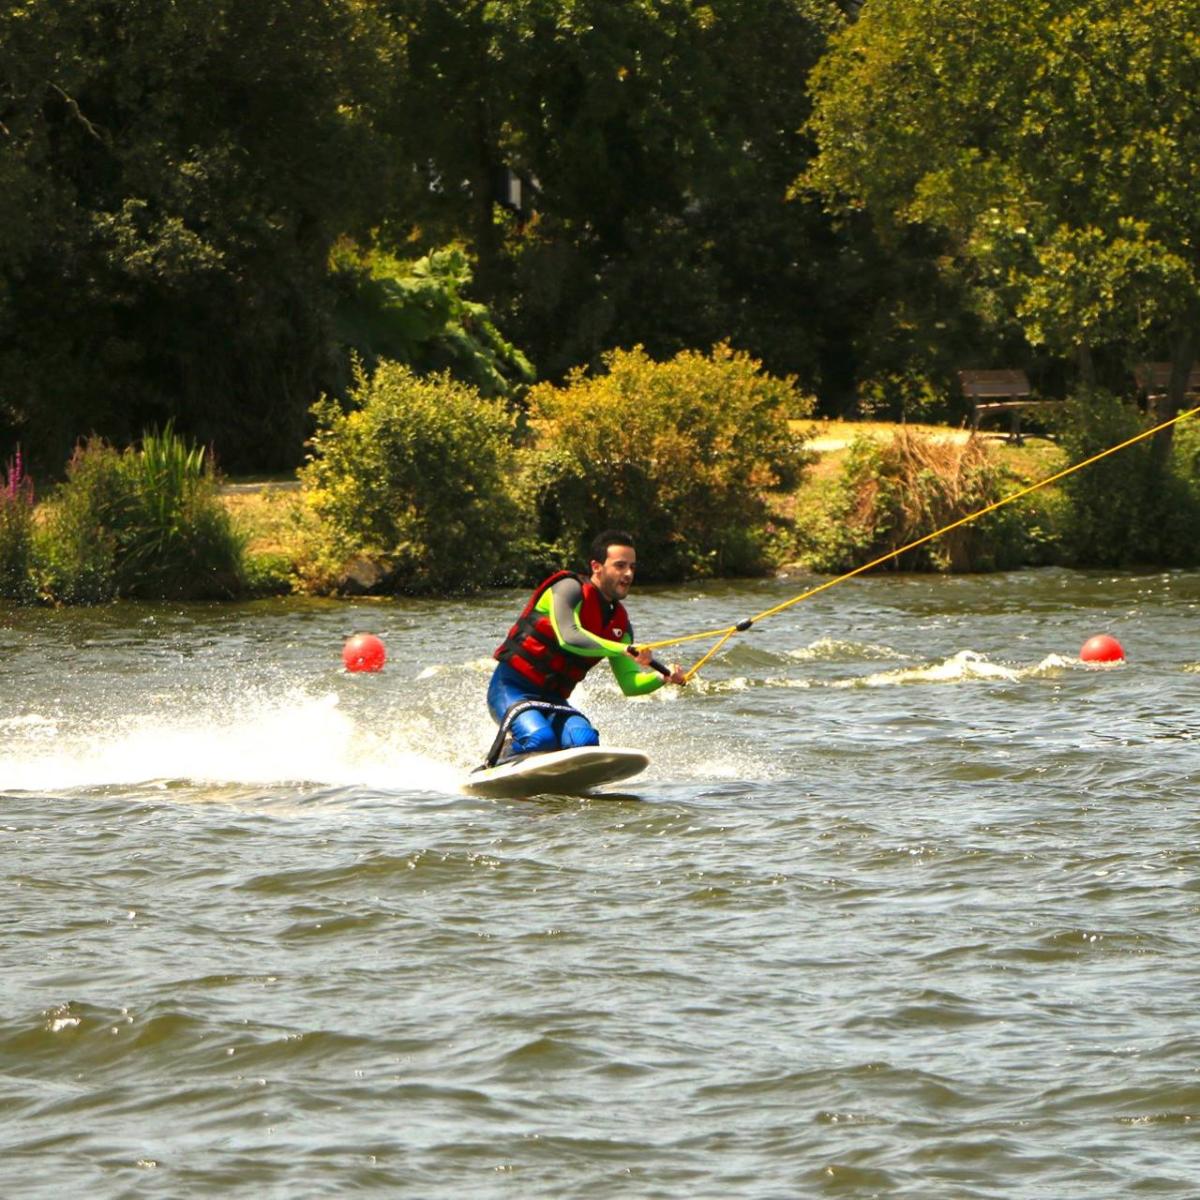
x: 18, y: 485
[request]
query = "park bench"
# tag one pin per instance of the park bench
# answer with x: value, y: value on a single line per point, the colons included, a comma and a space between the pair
x: 1000, y: 392
x: 1152, y: 379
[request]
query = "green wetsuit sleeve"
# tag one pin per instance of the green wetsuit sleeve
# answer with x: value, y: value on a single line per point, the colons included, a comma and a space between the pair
x: 632, y: 680
x: 561, y: 603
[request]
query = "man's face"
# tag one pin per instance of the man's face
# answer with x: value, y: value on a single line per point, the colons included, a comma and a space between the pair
x: 614, y: 576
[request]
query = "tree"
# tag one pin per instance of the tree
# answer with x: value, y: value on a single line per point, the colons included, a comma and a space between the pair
x: 174, y: 176
x: 659, y: 139
x: 1055, y: 142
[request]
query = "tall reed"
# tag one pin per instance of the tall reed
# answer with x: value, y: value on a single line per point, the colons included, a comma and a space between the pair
x: 892, y: 493
x: 16, y: 532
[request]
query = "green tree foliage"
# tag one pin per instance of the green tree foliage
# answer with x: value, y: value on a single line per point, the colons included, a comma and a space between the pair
x: 171, y: 180
x: 681, y: 452
x: 1131, y: 508
x: 419, y: 476
x: 662, y: 137
x: 1056, y: 143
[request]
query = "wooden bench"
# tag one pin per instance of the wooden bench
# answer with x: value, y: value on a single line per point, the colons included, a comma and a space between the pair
x: 1000, y: 392
x: 1152, y: 379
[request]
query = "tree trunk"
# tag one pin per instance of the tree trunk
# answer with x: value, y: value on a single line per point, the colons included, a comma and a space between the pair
x: 486, y: 234
x: 1183, y: 355
x: 1087, y: 368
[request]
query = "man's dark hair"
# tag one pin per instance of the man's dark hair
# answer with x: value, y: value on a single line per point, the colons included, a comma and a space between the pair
x: 610, y: 537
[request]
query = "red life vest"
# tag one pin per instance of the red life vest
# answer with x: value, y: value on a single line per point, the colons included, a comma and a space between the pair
x: 532, y: 649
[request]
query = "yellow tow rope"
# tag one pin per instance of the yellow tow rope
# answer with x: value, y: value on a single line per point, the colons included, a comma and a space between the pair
x: 726, y: 632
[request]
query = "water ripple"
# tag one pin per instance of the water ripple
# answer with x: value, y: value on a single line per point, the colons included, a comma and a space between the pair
x: 903, y: 907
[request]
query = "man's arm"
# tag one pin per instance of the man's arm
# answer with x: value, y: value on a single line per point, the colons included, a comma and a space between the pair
x: 632, y: 680
x: 565, y: 598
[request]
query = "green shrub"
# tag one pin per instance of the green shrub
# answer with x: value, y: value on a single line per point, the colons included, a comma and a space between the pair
x: 901, y: 395
x: 420, y: 477
x: 1043, y: 518
x: 144, y: 523
x: 1185, y: 450
x: 892, y: 493
x: 76, y: 547
x: 1130, y: 507
x: 682, y: 453
x: 268, y: 573
x: 16, y: 533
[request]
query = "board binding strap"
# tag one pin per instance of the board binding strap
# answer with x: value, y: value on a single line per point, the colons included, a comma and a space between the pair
x: 568, y: 772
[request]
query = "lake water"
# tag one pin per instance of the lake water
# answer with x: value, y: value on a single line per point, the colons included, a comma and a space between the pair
x: 907, y: 905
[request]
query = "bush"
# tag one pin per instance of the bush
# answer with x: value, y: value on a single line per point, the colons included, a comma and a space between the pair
x: 1186, y: 450
x: 682, y: 453
x: 268, y: 574
x: 1131, y: 507
x: 145, y: 523
x: 902, y: 395
x: 419, y: 476
x: 890, y: 494
x: 76, y: 547
x: 16, y: 533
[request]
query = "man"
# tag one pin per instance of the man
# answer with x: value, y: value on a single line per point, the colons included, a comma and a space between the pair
x: 570, y: 623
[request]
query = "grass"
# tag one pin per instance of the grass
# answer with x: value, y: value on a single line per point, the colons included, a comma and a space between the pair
x: 824, y: 429
x: 271, y: 514
x: 1035, y: 458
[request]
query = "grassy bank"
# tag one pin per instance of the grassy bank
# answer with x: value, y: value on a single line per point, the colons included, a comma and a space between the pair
x: 877, y: 488
x: 273, y: 518
x: 270, y: 513
x: 418, y: 484
x: 1034, y: 458
x: 154, y: 522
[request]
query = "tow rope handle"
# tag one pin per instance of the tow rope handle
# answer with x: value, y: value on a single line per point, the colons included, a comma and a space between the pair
x: 664, y: 671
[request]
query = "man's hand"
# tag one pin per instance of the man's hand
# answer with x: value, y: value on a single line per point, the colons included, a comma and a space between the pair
x: 645, y: 659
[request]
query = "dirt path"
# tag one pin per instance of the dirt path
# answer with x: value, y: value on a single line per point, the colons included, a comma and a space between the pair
x: 839, y: 438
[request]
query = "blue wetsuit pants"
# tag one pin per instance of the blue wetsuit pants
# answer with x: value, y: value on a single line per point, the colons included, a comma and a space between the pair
x: 535, y: 730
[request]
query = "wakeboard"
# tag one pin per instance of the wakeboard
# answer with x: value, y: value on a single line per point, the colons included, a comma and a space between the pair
x: 556, y: 772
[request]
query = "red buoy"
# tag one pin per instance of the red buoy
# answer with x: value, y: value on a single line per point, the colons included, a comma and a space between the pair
x: 1102, y: 649
x: 364, y: 652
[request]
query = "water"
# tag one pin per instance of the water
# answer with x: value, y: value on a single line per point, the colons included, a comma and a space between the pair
x: 906, y: 905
